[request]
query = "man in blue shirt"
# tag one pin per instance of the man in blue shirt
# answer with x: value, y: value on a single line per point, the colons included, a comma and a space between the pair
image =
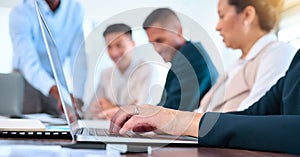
x: 30, y: 58
x: 192, y: 72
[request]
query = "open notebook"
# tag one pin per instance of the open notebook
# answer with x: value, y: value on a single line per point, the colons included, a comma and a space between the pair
x: 31, y: 129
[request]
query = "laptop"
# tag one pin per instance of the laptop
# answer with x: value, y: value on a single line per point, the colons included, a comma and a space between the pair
x: 81, y: 132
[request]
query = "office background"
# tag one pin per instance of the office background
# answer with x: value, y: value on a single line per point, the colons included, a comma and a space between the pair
x: 100, y: 13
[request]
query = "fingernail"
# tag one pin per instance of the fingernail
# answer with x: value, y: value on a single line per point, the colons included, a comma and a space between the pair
x: 122, y: 131
x: 113, y: 129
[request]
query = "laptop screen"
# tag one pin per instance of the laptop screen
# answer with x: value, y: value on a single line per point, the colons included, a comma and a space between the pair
x: 52, y: 51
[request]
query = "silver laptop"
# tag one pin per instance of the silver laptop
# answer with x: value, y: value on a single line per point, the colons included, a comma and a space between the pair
x: 81, y: 133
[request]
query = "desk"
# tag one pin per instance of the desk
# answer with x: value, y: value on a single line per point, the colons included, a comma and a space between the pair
x: 207, y: 152
x: 167, y: 151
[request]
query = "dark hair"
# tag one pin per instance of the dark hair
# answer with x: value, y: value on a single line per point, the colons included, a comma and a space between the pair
x: 160, y: 15
x: 267, y: 11
x: 119, y: 27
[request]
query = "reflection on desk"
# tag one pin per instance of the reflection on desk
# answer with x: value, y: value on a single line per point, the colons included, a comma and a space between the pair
x: 50, y: 151
x: 51, y: 148
x: 207, y: 152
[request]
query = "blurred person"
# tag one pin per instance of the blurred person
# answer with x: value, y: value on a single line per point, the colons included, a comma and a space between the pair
x: 263, y: 61
x: 192, y: 72
x: 128, y: 82
x: 30, y: 58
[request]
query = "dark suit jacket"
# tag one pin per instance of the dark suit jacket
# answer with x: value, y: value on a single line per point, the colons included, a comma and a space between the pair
x: 191, y: 75
x: 271, y: 124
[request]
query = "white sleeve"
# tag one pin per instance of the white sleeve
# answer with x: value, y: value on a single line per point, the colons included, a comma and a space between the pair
x: 144, y: 85
x: 99, y: 90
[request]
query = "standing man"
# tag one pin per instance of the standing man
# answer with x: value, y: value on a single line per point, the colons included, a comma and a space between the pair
x: 64, y: 18
x: 192, y: 72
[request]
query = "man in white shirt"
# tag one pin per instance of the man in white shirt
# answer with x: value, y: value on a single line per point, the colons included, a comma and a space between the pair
x: 125, y: 83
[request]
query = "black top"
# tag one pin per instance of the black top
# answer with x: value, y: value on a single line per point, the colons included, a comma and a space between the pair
x: 191, y: 75
x: 271, y: 124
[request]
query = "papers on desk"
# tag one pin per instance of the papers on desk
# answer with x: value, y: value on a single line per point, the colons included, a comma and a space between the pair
x: 46, y: 118
x: 21, y: 125
x: 3, y: 117
x: 50, y: 151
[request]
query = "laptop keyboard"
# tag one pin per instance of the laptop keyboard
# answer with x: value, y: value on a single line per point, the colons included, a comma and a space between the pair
x: 105, y: 132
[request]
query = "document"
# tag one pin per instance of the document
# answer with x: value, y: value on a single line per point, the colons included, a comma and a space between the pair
x: 21, y: 125
x: 46, y: 118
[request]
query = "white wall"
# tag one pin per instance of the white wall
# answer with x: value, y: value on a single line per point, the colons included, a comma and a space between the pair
x: 5, y: 44
x: 290, y: 23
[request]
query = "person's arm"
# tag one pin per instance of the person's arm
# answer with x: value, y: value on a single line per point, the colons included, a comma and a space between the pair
x: 267, y: 133
x: 191, y: 81
x: 271, y: 67
x: 155, y: 118
x: 93, y: 108
x: 279, y: 133
x: 262, y: 126
x: 206, y: 69
x: 26, y: 57
x: 171, y: 93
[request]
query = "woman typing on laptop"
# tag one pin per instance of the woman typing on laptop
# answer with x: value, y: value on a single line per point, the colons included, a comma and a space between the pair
x: 260, y: 127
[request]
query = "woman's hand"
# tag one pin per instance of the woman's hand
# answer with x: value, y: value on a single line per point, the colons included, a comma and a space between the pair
x: 155, y: 118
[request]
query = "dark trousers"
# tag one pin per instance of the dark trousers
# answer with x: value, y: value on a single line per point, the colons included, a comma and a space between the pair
x: 36, y: 102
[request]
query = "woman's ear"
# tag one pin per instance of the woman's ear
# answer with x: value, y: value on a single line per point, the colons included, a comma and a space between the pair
x: 249, y: 15
x: 179, y: 31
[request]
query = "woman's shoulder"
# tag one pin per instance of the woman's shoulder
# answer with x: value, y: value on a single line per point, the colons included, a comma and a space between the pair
x: 280, y: 49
